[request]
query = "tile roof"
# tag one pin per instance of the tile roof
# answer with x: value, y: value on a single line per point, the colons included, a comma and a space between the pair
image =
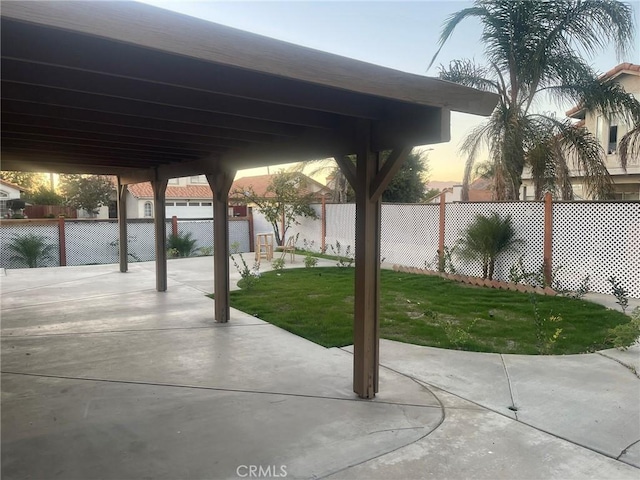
x: 12, y: 185
x: 259, y: 184
x: 630, y: 68
x: 144, y: 190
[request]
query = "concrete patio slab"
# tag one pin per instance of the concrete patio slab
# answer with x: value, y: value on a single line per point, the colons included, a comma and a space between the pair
x: 477, y: 376
x: 115, y: 430
x: 587, y: 399
x: 103, y: 377
x: 629, y: 357
x: 476, y: 443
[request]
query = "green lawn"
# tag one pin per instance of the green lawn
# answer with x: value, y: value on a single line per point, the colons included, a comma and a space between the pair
x: 317, y: 304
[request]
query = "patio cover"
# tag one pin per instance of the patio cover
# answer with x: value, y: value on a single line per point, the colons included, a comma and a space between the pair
x: 145, y: 94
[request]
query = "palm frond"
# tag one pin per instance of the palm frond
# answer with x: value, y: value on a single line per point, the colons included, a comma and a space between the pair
x: 450, y: 25
x: 470, y: 74
x: 629, y: 147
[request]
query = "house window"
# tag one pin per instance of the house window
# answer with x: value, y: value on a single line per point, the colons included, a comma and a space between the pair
x: 194, y: 204
x: 206, y: 204
x: 613, y: 137
x: 148, y: 210
x: 181, y: 204
x: 198, y: 179
x: 173, y: 181
x: 169, y: 204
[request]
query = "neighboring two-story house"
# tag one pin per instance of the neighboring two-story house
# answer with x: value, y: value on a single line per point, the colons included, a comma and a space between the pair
x: 609, y: 132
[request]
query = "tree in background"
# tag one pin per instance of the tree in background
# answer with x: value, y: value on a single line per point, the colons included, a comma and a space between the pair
x: 45, y: 196
x: 29, y: 181
x: 407, y: 186
x: 531, y: 49
x: 88, y: 192
x: 286, y: 198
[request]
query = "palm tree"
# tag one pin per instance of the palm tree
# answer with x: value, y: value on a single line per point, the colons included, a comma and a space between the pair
x: 532, y: 49
x: 485, y: 239
x: 30, y: 249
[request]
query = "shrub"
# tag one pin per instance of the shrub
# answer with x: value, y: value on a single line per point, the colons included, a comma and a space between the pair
x: 182, y: 245
x: 485, y: 239
x: 622, y: 296
x: 30, y: 249
x: 278, y: 264
x: 624, y: 335
x: 310, y: 261
x: 345, y: 259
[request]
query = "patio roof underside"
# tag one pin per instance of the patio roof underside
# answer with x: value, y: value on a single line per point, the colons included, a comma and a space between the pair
x: 136, y: 91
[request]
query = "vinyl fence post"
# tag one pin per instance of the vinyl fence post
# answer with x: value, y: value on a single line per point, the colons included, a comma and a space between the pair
x: 62, y: 242
x: 174, y: 226
x: 441, y: 233
x: 251, y: 236
x: 548, y: 238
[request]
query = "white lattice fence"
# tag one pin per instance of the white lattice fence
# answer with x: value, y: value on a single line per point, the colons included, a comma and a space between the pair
x: 341, y: 226
x: 10, y: 232
x: 528, y: 221
x: 202, y: 231
x: 600, y: 240
x: 97, y: 242
x: 410, y: 234
x: 308, y: 229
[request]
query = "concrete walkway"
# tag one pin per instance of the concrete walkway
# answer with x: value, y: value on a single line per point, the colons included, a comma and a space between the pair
x: 102, y: 377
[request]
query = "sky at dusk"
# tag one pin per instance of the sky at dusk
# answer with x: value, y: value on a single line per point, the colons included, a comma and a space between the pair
x: 400, y: 35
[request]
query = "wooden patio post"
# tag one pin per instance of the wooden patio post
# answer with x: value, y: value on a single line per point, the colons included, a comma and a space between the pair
x: 62, y: 242
x: 159, y: 189
x: 369, y: 181
x: 548, y: 238
x: 220, y: 182
x: 123, y: 246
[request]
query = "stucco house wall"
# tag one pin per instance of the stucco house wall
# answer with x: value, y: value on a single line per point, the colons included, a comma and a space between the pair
x: 626, y: 183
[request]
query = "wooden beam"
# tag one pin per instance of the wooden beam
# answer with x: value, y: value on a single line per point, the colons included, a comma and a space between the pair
x: 220, y: 182
x: 367, y: 270
x: 159, y: 190
x: 388, y: 171
x: 56, y: 76
x: 123, y: 106
x: 70, y: 117
x: 347, y: 168
x: 311, y: 145
x: 123, y: 245
x: 55, y: 163
x: 121, y: 133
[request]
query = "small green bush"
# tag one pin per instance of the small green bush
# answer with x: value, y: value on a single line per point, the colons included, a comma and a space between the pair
x: 310, y: 261
x: 30, y: 249
x: 624, y: 335
x: 278, y: 264
x: 181, y: 245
